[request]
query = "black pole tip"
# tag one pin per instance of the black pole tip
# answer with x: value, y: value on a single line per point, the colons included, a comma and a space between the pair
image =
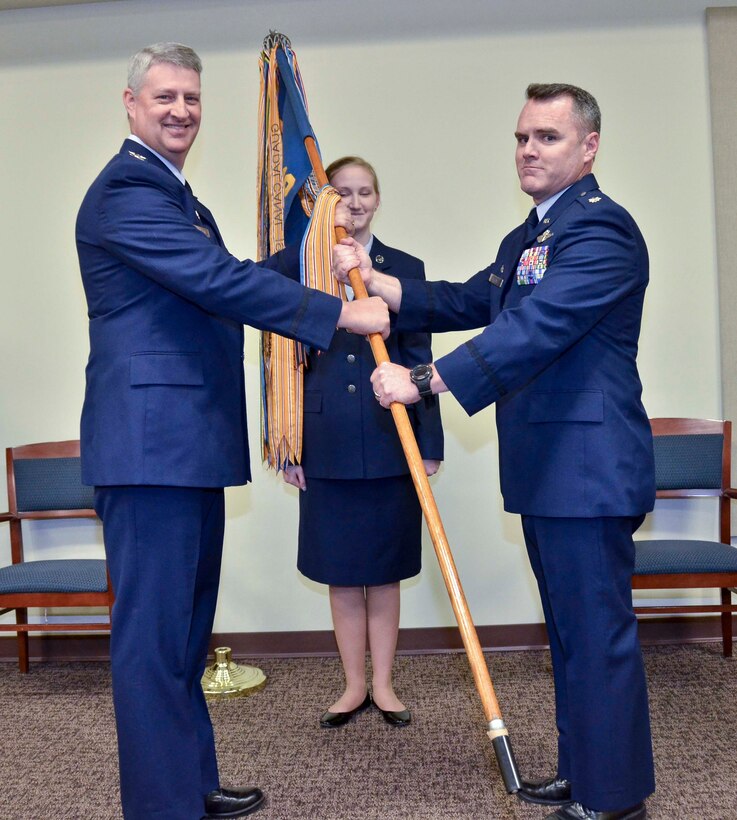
x: 507, y: 764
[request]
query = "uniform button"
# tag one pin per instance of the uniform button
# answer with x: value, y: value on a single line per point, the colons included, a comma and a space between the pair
x: 350, y: 358
x: 351, y: 388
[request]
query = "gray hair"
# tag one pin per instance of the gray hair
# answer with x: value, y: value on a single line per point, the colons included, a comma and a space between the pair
x: 173, y: 53
x: 585, y: 108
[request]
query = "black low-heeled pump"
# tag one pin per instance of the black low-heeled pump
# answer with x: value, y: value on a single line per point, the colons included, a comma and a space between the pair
x: 331, y: 720
x: 402, y: 718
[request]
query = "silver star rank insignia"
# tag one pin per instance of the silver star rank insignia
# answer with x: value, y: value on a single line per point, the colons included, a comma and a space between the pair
x: 595, y: 199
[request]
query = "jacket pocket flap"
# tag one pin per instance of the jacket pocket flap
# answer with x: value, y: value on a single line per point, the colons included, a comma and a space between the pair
x: 166, y: 368
x: 568, y: 405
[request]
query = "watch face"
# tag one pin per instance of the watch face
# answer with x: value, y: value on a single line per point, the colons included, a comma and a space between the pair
x: 421, y: 371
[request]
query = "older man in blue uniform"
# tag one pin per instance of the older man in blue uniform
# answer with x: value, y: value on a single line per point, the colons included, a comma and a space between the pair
x: 561, y: 308
x: 164, y: 426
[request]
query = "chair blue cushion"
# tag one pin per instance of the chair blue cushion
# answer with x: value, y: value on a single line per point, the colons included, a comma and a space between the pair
x: 688, y: 462
x: 672, y: 557
x: 51, y: 484
x: 68, y: 575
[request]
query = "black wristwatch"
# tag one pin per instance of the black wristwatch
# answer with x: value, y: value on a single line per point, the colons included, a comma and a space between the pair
x: 421, y: 375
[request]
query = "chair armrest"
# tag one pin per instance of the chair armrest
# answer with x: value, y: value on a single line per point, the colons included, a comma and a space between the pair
x: 6, y: 516
x: 731, y: 492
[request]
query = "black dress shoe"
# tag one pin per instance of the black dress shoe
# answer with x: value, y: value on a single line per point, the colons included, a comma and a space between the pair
x: 232, y: 802
x: 403, y: 718
x: 575, y: 811
x: 331, y: 720
x: 550, y: 792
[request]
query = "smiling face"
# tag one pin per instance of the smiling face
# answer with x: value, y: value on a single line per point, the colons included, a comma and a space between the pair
x: 552, y: 152
x: 166, y: 111
x: 356, y: 188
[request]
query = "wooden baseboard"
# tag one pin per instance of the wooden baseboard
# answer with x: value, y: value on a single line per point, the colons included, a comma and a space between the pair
x: 96, y: 647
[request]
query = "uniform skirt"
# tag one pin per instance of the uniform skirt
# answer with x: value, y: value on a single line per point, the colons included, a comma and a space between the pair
x: 359, y: 532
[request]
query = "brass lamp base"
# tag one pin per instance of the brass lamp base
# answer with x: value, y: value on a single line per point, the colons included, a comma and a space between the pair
x: 226, y: 679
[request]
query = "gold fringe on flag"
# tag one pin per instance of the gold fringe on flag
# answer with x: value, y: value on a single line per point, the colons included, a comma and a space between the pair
x: 285, y: 366
x: 282, y: 360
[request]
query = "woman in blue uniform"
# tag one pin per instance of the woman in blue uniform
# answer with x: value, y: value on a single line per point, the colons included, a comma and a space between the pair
x: 360, y: 521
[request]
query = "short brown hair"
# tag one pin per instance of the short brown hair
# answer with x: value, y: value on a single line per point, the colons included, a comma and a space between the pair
x: 585, y: 107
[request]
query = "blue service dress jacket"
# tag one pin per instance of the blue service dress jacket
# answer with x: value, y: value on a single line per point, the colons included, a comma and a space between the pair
x: 347, y: 434
x: 165, y: 401
x: 561, y: 307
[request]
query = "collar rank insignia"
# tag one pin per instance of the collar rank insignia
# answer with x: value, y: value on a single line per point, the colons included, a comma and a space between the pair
x: 203, y: 229
x: 546, y: 221
x: 546, y: 234
x: 379, y: 259
x: 137, y: 156
x: 595, y: 199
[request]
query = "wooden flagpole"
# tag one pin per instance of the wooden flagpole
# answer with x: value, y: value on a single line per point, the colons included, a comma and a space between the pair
x: 497, y: 730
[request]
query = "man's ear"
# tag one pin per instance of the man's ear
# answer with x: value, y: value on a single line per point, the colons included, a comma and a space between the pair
x: 591, y: 144
x: 129, y: 101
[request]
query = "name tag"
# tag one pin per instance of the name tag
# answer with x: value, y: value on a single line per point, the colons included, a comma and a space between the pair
x: 532, y: 265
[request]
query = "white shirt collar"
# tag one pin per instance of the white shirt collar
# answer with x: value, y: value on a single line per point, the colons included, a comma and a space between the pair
x: 173, y: 168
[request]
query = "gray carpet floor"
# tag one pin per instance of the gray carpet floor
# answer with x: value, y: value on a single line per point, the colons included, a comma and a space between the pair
x: 58, y: 757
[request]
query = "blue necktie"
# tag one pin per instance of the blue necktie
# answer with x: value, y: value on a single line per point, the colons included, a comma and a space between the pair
x: 531, y: 224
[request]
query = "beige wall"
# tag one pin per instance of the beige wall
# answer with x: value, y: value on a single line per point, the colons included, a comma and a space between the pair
x: 436, y: 116
x: 721, y: 27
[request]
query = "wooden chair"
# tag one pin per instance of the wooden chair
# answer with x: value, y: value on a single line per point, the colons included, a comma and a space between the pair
x: 692, y: 459
x: 44, y: 482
